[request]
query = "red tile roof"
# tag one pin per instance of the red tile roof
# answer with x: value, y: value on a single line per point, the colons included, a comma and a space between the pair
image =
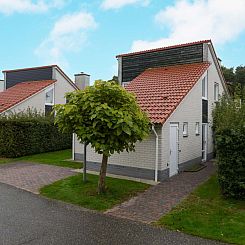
x: 160, y: 90
x: 20, y: 92
x: 164, y: 48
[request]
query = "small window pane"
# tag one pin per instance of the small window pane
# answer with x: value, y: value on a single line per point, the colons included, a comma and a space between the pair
x: 48, y: 110
x: 185, y: 129
x: 50, y: 97
x: 197, y: 128
x: 216, y: 92
x: 205, y: 88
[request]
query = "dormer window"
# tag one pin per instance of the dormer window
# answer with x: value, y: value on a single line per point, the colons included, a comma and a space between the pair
x: 205, y: 88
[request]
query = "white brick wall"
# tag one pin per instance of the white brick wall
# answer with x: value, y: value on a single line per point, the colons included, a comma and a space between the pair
x: 36, y: 101
x: 143, y: 157
x: 62, y: 86
x: 189, y: 110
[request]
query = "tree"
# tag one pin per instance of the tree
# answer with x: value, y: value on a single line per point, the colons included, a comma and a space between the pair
x: 240, y: 75
x: 107, y: 117
x: 228, y: 74
x: 115, y: 79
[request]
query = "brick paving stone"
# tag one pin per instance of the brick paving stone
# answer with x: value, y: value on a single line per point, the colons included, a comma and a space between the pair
x: 158, y: 200
x: 32, y: 176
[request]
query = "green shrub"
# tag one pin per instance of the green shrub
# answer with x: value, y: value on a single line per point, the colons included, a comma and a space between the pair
x: 229, y: 128
x: 27, y: 134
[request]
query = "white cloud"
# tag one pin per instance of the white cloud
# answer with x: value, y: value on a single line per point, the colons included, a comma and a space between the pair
x: 188, y: 21
x: 68, y: 34
x: 116, y: 4
x: 28, y: 6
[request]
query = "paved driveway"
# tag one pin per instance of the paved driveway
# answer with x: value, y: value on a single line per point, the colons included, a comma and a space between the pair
x: 26, y: 218
x: 158, y: 200
x: 31, y: 176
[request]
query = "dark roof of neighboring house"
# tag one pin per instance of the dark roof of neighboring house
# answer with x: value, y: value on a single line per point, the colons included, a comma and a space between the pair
x: 164, y: 48
x: 41, y: 67
x: 160, y: 90
x: 20, y: 92
x: 30, y: 68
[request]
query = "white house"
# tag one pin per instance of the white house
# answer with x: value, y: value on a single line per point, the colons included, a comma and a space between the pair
x: 36, y: 88
x: 178, y: 87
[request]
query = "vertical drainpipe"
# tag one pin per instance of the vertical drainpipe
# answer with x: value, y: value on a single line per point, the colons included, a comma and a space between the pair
x: 73, y: 146
x: 156, y: 161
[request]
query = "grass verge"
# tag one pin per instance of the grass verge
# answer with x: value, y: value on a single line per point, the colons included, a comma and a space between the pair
x: 207, y: 214
x: 73, y: 190
x: 5, y: 160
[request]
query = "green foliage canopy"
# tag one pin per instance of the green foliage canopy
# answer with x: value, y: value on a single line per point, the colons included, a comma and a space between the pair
x: 104, y: 115
x: 229, y: 128
x: 29, y: 133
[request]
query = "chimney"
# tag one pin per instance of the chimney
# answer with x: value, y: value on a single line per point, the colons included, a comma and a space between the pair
x: 82, y: 80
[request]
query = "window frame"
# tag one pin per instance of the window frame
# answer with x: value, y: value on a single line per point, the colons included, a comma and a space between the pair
x: 197, y: 128
x: 205, y: 88
x: 216, y: 92
x: 47, y: 91
x: 185, y: 130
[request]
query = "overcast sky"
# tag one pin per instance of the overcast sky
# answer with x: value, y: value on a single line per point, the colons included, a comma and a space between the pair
x: 87, y: 35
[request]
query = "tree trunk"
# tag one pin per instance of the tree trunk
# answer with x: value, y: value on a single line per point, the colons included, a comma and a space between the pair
x: 101, y: 184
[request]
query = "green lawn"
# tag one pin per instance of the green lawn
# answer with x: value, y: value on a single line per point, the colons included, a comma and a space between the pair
x: 207, y: 214
x: 73, y: 190
x: 5, y: 160
x: 58, y: 158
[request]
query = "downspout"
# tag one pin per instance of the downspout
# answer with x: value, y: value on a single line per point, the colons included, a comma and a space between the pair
x: 156, y: 161
x: 73, y: 147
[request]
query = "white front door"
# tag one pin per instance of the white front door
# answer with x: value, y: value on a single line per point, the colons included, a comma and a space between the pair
x: 204, y: 141
x: 174, y: 151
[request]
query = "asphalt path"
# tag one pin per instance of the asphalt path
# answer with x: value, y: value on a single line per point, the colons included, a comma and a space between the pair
x: 26, y: 218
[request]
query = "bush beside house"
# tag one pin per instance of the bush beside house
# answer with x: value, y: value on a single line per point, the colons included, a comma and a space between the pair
x: 229, y: 127
x: 32, y: 134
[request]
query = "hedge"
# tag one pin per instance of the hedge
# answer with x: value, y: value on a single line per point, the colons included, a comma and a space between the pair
x: 229, y: 126
x: 26, y: 136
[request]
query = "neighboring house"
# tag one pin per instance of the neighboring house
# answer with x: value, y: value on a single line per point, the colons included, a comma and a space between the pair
x: 38, y: 88
x: 177, y: 86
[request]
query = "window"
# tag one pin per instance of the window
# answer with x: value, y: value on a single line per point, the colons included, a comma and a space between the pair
x: 49, y: 100
x: 204, y: 88
x: 216, y: 92
x: 204, y: 111
x: 48, y: 110
x: 185, y: 129
x: 197, y: 128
